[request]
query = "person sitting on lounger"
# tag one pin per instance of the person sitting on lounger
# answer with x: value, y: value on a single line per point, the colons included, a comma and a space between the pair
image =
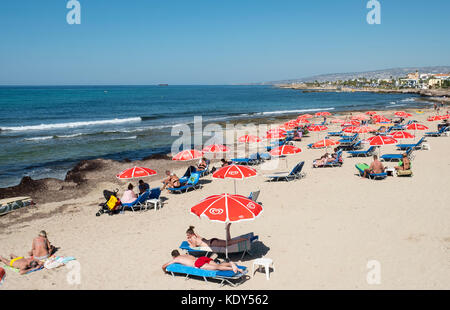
x: 376, y: 167
x: 404, y: 164
x: 143, y: 187
x: 224, y: 162
x: 202, y: 262
x: 195, y: 240
x: 172, y: 181
x: 128, y: 196
x: 41, y: 248
x: 23, y: 264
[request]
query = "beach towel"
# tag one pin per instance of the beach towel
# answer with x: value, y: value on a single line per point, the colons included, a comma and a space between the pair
x: 2, y: 275
x: 57, y: 261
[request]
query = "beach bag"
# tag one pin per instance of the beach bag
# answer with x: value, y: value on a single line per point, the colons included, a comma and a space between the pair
x: 113, y: 202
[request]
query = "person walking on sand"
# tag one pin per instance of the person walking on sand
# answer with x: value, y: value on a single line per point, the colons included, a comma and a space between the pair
x: 41, y: 248
x: 201, y: 262
x: 375, y: 167
x: 23, y: 264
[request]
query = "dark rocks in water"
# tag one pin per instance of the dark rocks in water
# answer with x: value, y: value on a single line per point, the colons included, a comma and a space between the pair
x: 76, y: 174
x: 158, y: 156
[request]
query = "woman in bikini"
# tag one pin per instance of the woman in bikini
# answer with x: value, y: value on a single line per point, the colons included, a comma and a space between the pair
x: 171, y: 181
x: 41, y: 247
x: 195, y: 240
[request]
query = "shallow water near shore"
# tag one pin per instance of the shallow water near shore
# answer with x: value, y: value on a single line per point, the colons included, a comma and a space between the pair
x: 44, y: 131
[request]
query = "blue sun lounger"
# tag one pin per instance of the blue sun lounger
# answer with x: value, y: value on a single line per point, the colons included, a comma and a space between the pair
x: 335, y: 133
x: 192, y: 183
x: 414, y: 146
x: 225, y: 277
x: 296, y: 173
x: 396, y: 157
x: 253, y: 159
x: 373, y: 176
x: 365, y: 153
x: 138, y: 203
x: 437, y: 133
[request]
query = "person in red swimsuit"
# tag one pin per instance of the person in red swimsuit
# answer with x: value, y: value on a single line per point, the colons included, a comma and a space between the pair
x: 202, y: 262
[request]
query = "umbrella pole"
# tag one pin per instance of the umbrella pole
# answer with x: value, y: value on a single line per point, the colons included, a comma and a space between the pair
x: 235, y: 187
x: 226, y: 241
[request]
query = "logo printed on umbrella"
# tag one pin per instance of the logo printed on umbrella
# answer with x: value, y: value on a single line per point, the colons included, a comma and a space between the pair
x: 215, y: 211
x: 233, y: 172
x: 251, y: 205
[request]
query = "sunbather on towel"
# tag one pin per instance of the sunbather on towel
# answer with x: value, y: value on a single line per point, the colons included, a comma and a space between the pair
x: 202, y: 262
x: 404, y: 164
x: 172, y: 181
x: 23, y: 264
x: 375, y: 167
x: 322, y: 160
x: 195, y: 240
x: 41, y: 248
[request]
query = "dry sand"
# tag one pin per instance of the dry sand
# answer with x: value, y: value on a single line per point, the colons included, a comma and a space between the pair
x: 320, y: 231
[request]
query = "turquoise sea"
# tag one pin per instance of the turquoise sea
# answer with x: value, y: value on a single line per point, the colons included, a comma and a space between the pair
x: 44, y: 131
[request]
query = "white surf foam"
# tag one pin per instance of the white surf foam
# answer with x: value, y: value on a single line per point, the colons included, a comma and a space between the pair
x: 72, y: 124
x: 295, y: 111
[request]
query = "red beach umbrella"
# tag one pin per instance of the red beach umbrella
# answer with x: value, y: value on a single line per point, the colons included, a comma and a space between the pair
x: 303, y: 121
x: 321, y: 114
x: 135, y: 172
x: 216, y: 148
x: 349, y: 129
x: 416, y: 126
x: 338, y: 121
x: 436, y: 118
x: 381, y: 140
x: 236, y: 172
x: 363, y: 129
x: 401, y: 135
x: 305, y: 116
x: 249, y: 139
x: 359, y: 117
x: 381, y: 119
x: 350, y: 123
x: 371, y: 112
x: 402, y: 114
x: 226, y: 208
x: 317, y: 128
x: 276, y: 135
x: 325, y: 143
x: 285, y: 150
x: 188, y: 155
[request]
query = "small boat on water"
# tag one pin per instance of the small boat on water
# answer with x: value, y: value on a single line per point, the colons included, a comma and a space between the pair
x: 11, y: 204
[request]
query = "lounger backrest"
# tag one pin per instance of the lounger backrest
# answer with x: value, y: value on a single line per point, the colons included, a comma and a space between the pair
x: 142, y: 198
x: 420, y: 141
x: 254, y: 195
x: 155, y: 193
x: 371, y: 149
x: 299, y: 167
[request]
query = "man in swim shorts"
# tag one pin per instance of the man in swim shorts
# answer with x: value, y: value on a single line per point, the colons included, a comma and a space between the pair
x: 23, y: 264
x: 202, y: 262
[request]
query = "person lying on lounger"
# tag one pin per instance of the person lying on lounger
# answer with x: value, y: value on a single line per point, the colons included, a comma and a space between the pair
x: 41, y: 248
x: 172, y: 181
x: 404, y: 164
x: 202, y: 164
x: 376, y: 167
x: 202, y: 262
x: 322, y: 160
x: 23, y: 264
x: 195, y: 240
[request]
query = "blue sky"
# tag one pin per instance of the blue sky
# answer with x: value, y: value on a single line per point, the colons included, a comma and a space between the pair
x: 214, y: 42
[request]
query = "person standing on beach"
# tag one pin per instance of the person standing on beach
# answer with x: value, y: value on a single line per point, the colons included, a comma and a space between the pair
x: 41, y: 248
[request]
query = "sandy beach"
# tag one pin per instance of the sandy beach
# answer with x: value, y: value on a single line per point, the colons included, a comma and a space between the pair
x: 321, y: 231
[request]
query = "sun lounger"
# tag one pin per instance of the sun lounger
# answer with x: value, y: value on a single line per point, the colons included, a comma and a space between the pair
x: 138, y: 203
x: 374, y: 176
x: 192, y: 183
x: 396, y: 157
x: 296, y: 173
x: 369, y: 152
x: 243, y: 247
x: 335, y: 133
x: 414, y: 146
x: 254, y: 195
x: 227, y: 276
x: 438, y: 133
x: 253, y: 159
